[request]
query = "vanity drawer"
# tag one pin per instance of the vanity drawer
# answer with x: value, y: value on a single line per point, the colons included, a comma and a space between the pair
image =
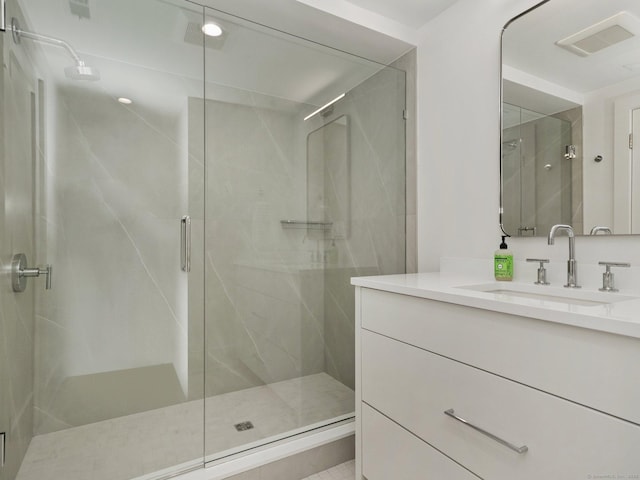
x: 415, y: 387
x: 586, y: 366
x: 389, y: 451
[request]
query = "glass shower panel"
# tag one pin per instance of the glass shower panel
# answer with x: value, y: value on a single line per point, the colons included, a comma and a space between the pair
x: 115, y: 389
x: 17, y: 219
x: 295, y: 206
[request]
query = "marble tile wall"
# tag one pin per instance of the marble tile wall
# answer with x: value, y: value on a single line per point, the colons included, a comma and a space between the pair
x: 115, y: 191
x: 408, y: 64
x: 552, y: 204
x: 261, y: 324
x: 375, y: 242
x: 540, y: 187
x: 573, y: 119
x: 275, y: 306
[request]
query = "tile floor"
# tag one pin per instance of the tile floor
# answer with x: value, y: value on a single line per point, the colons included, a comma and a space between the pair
x: 136, y: 445
x: 344, y: 471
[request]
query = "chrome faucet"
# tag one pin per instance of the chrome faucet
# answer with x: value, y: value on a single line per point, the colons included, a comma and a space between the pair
x: 604, y: 230
x: 572, y: 265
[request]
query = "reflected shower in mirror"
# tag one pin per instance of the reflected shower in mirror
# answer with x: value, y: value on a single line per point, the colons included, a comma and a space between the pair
x: 541, y: 169
x: 570, y: 90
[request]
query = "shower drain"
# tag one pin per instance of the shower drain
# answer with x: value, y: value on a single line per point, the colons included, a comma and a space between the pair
x: 242, y: 426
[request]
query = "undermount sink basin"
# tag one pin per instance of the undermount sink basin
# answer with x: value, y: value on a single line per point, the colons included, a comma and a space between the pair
x: 586, y: 298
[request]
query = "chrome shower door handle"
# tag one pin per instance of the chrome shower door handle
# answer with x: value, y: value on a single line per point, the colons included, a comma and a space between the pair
x: 185, y: 243
x: 515, y: 448
x: 20, y: 272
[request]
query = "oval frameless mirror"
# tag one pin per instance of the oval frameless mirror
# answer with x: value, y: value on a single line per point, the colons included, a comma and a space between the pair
x: 570, y: 106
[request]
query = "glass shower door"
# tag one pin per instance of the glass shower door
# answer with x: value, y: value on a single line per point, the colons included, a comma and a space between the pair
x: 295, y: 204
x: 17, y: 223
x: 96, y: 100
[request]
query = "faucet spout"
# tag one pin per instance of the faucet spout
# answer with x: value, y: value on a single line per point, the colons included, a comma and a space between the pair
x: 604, y: 230
x: 572, y: 265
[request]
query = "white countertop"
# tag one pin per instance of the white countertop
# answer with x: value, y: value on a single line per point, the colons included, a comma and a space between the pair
x: 619, y: 317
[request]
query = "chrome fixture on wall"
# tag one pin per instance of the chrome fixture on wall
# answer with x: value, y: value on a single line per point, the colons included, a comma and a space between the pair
x: 20, y: 272
x: 79, y: 71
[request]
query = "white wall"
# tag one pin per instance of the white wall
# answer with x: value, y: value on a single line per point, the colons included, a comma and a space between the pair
x: 599, y: 139
x: 458, y: 149
x: 458, y: 117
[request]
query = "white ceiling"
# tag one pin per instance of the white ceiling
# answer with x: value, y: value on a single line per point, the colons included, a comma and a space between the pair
x: 529, y: 45
x: 139, y: 47
x: 412, y: 13
x: 318, y: 25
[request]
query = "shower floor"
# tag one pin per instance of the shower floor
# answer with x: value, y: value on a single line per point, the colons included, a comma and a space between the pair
x: 132, y: 446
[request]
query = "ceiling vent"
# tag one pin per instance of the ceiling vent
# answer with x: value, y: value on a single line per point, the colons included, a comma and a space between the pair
x: 604, y: 34
x: 80, y: 8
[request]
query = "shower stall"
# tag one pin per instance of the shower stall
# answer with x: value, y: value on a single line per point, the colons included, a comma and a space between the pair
x: 180, y: 218
x: 541, y: 170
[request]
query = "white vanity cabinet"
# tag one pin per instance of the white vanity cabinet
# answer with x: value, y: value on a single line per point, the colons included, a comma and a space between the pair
x: 549, y: 400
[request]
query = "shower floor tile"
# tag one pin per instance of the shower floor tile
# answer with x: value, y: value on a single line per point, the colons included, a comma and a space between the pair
x: 128, y: 447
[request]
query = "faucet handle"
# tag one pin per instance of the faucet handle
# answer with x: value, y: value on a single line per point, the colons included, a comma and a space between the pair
x: 542, y: 272
x: 607, y: 276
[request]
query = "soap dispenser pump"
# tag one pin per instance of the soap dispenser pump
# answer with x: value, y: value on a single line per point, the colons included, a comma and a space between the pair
x: 503, y: 262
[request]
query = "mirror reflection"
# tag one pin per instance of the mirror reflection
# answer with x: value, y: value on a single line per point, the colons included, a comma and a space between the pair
x: 571, y: 103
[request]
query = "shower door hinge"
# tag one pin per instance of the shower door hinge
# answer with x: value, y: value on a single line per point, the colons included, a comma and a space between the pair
x: 631, y: 141
x: 3, y: 15
x: 405, y: 114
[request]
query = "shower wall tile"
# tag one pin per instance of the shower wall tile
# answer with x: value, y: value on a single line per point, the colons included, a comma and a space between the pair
x: 408, y: 63
x: 285, y: 332
x: 540, y: 187
x: 116, y: 187
x: 261, y: 327
x: 574, y: 117
x: 376, y: 239
x: 340, y: 325
x: 274, y: 309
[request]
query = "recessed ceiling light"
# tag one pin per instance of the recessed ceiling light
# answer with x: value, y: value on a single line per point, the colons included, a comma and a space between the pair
x: 211, y: 29
x: 125, y: 100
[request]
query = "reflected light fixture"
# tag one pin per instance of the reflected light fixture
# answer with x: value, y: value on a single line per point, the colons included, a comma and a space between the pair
x: 125, y: 100
x: 339, y: 97
x: 211, y: 29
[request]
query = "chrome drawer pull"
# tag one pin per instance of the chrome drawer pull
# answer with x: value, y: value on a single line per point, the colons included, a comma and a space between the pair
x: 522, y: 449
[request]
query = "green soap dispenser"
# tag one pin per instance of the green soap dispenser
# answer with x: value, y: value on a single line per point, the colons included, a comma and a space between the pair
x: 503, y: 262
